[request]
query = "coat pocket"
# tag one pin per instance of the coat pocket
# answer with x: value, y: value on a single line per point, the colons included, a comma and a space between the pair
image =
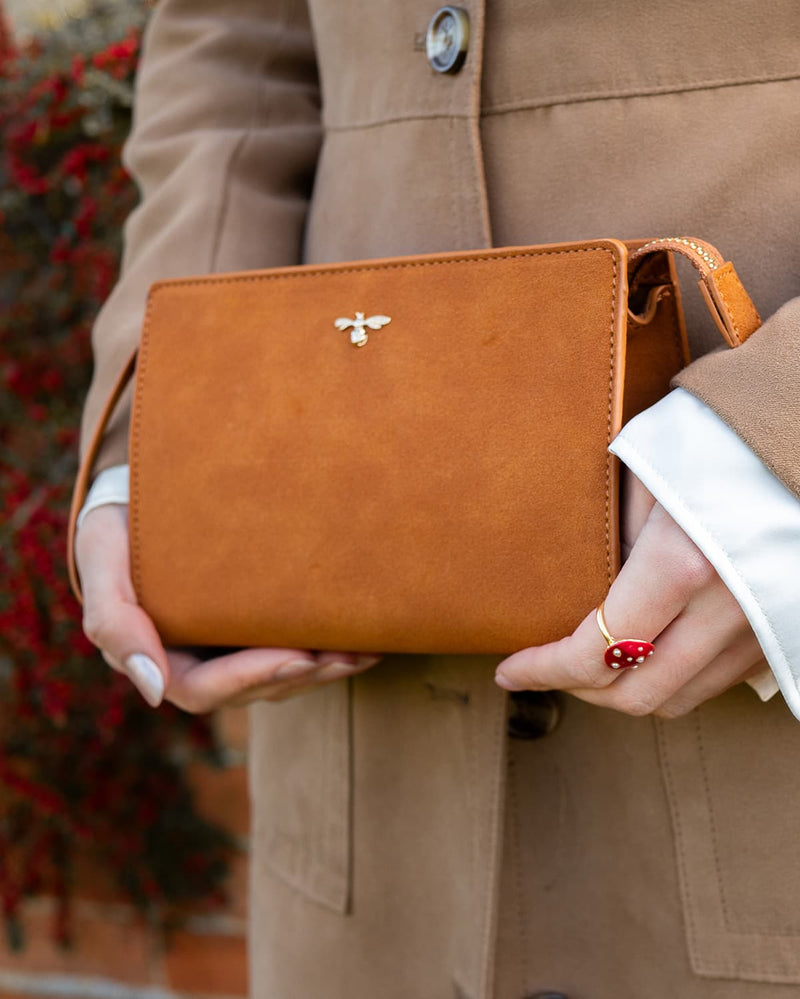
x: 300, y: 788
x: 732, y: 775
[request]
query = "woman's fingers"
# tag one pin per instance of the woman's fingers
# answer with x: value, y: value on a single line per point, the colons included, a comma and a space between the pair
x: 711, y: 632
x: 664, y: 571
x: 199, y: 686
x: 129, y: 642
x: 112, y: 620
x: 699, y: 656
x: 666, y: 591
x: 255, y: 674
x: 725, y: 672
x: 328, y: 673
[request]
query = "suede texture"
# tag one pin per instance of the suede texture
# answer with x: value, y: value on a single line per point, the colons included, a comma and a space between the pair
x: 640, y: 859
x: 329, y: 475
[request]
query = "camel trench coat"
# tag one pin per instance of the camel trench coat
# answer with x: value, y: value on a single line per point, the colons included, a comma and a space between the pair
x: 403, y: 846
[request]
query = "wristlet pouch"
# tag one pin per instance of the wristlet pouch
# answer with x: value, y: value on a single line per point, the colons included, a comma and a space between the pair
x: 397, y: 455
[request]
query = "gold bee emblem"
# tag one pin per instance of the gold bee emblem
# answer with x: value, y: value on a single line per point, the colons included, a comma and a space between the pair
x: 358, y: 327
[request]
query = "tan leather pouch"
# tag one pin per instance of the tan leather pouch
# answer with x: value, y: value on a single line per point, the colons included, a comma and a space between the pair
x: 403, y: 455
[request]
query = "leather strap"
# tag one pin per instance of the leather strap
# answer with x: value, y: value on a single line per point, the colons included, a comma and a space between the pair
x: 728, y: 302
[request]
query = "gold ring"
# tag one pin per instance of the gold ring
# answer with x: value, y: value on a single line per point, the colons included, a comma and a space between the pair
x: 623, y: 653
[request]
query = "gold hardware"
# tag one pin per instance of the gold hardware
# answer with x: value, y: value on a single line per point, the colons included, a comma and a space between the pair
x: 358, y: 333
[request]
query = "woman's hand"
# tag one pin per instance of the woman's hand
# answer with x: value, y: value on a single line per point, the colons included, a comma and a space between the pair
x: 128, y: 640
x: 667, y: 592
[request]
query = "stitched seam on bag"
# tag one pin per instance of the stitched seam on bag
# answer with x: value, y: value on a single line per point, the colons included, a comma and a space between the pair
x: 135, y: 437
x: 631, y: 93
x: 609, y: 459
x: 335, y: 270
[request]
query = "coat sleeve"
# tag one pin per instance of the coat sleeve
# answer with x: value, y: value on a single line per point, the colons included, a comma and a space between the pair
x: 754, y: 389
x: 223, y: 147
x: 744, y: 520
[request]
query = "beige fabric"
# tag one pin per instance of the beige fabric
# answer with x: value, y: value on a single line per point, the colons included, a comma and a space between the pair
x: 626, y: 836
x: 641, y: 859
x: 756, y: 395
x: 226, y: 129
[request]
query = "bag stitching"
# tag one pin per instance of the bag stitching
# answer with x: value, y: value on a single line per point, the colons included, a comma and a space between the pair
x: 336, y: 271
x: 333, y: 270
x: 612, y: 372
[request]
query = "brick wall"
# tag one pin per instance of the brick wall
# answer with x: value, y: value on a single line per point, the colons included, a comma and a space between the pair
x: 117, y: 956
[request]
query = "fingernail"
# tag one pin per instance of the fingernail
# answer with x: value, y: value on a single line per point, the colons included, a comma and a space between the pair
x: 335, y: 671
x: 295, y: 668
x: 503, y: 681
x: 364, y: 662
x: 147, y: 677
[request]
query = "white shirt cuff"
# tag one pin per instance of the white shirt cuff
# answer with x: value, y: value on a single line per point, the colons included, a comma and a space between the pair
x: 112, y: 485
x: 743, y: 519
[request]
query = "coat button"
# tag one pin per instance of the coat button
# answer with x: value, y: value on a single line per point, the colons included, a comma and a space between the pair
x: 447, y: 40
x: 534, y: 713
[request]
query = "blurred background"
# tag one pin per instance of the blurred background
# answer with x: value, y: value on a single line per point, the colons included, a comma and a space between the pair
x: 123, y: 831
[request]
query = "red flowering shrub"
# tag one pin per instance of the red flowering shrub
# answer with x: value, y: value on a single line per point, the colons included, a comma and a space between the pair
x: 85, y: 765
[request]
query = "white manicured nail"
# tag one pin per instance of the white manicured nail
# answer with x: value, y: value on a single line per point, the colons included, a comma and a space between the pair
x: 147, y: 677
